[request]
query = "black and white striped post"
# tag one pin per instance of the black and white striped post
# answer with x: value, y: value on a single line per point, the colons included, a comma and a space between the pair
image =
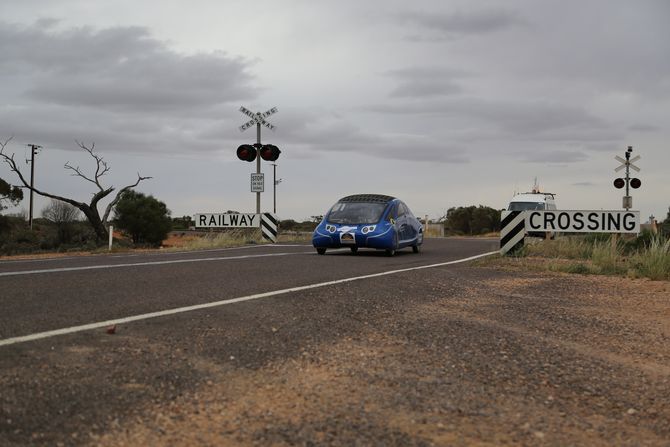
x: 269, y: 224
x: 512, y: 231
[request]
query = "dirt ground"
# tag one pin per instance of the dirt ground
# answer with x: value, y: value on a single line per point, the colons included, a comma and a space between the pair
x: 492, y: 356
x: 486, y: 354
x: 175, y: 240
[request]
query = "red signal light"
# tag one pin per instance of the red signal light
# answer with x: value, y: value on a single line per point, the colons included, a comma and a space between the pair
x: 270, y: 152
x: 619, y: 183
x: 635, y: 183
x: 246, y: 152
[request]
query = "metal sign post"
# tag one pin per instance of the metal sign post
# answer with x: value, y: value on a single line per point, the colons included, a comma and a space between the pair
x: 258, y: 119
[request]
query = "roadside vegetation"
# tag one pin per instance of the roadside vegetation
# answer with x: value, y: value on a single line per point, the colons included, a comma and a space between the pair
x: 140, y: 222
x: 471, y: 221
x: 645, y: 256
x: 90, y: 210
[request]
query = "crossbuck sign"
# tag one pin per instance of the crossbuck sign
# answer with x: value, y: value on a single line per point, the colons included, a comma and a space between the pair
x: 257, y: 118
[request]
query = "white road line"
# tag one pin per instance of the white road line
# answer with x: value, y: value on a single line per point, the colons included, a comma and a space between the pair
x: 162, y: 313
x: 138, y: 264
x: 148, y: 253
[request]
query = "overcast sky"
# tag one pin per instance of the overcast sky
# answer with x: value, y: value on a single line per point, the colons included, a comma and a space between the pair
x: 440, y: 103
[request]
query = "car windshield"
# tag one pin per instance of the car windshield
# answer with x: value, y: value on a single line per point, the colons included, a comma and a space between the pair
x: 525, y: 206
x: 356, y: 212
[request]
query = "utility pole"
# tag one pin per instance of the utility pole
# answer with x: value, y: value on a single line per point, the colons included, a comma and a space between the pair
x: 274, y: 188
x: 258, y: 164
x: 33, y: 152
x: 275, y: 182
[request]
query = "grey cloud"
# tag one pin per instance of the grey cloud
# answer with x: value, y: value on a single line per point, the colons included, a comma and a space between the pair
x: 550, y: 129
x: 606, y: 146
x: 607, y: 48
x: 389, y: 148
x: 118, y: 87
x: 120, y: 69
x: 75, y: 49
x: 584, y: 184
x: 425, y: 82
x: 46, y: 22
x: 439, y: 25
x: 57, y: 127
x: 314, y: 132
x: 643, y: 128
x: 554, y: 157
x: 520, y: 118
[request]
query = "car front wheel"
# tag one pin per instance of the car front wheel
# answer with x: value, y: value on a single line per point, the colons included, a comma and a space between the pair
x: 391, y: 251
x: 321, y: 251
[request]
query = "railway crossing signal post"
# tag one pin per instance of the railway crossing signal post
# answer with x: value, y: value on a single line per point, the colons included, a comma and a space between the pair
x: 257, y: 151
x: 628, y: 182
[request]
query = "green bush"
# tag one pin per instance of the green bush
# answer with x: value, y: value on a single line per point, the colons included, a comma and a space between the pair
x: 472, y: 220
x: 146, y: 219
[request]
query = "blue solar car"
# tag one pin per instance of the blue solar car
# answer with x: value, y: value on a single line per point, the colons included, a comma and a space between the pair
x: 368, y: 221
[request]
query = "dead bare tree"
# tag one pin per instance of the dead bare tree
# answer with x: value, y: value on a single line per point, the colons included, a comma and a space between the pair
x: 90, y: 209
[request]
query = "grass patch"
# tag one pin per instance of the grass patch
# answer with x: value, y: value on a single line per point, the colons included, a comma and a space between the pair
x: 294, y: 236
x: 654, y: 261
x: 645, y: 256
x: 230, y: 238
x: 578, y: 268
x: 608, y: 258
x: 213, y: 240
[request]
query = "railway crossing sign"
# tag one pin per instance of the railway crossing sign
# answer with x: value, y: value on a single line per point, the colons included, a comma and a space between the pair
x: 627, y: 162
x: 583, y: 221
x: 267, y: 222
x: 514, y: 225
x: 257, y: 118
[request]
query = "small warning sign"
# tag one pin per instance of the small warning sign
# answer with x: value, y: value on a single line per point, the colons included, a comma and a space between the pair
x: 258, y: 182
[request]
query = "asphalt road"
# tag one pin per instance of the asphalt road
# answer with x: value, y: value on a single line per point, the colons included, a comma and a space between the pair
x: 301, y: 349
x: 49, y: 294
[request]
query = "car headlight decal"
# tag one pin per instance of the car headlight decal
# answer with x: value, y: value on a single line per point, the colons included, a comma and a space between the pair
x: 368, y: 229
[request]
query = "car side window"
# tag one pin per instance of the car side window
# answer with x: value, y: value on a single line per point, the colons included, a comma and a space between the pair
x: 393, y: 213
x: 408, y: 211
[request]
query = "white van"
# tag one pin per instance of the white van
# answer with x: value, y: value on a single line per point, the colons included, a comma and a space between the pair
x: 531, y: 201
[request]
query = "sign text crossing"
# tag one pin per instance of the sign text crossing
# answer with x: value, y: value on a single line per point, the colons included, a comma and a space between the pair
x: 583, y: 221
